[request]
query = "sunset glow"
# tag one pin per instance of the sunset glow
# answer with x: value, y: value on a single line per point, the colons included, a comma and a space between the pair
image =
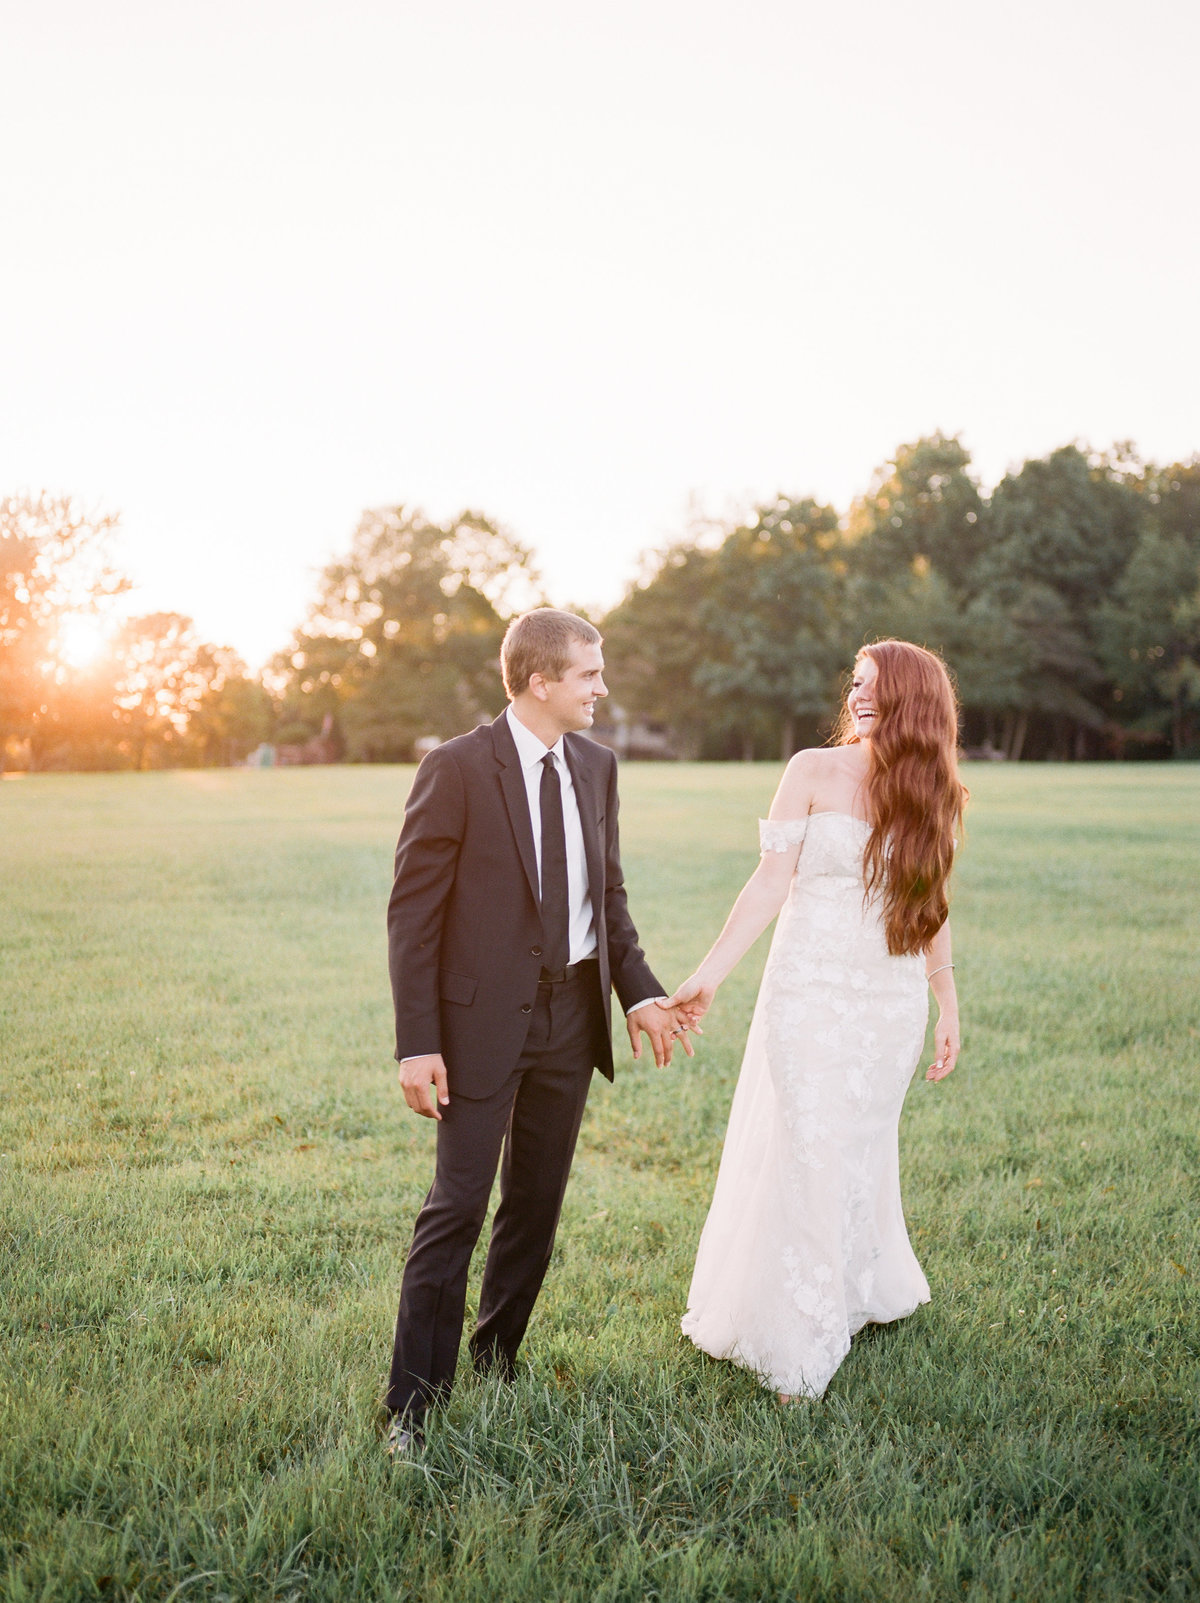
x: 81, y: 640
x: 655, y: 250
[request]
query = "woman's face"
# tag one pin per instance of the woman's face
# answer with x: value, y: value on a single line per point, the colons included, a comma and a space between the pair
x: 861, y: 700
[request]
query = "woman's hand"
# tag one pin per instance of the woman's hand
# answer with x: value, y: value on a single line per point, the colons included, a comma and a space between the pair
x: 946, y: 1044
x: 693, y: 998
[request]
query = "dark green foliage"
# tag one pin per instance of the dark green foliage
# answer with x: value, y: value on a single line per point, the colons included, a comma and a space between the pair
x: 924, y: 511
x: 773, y: 618
x: 657, y: 649
x: 1067, y: 605
x: 1148, y: 629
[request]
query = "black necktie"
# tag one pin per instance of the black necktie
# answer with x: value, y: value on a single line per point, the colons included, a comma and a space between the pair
x: 555, y: 912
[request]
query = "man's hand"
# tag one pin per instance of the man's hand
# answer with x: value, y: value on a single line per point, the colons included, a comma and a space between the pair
x: 664, y: 1025
x: 423, y: 1081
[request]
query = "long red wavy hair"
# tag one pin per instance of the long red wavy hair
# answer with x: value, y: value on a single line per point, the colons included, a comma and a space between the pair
x: 914, y: 795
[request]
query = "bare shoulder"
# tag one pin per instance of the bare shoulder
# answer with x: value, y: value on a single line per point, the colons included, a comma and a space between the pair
x: 821, y: 779
x: 818, y: 759
x: 817, y: 763
x: 800, y: 783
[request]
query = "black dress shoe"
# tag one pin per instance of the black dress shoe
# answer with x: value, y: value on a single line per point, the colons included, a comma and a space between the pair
x: 404, y: 1441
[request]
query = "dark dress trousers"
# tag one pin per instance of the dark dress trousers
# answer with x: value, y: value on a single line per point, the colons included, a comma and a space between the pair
x: 465, y: 944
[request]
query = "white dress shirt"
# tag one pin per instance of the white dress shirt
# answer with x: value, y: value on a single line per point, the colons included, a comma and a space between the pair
x: 531, y: 750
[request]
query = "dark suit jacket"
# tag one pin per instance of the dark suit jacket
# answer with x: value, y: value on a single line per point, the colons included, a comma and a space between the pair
x: 464, y: 925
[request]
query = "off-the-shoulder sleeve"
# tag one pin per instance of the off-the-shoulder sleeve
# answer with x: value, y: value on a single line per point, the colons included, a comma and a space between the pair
x: 780, y: 834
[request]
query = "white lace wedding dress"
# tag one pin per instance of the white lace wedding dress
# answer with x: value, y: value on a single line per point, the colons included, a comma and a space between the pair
x: 805, y: 1241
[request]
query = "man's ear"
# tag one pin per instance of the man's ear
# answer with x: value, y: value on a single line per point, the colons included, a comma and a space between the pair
x: 537, y: 685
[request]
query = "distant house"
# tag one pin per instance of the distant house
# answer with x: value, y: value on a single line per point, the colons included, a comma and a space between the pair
x: 327, y: 747
x: 634, y: 739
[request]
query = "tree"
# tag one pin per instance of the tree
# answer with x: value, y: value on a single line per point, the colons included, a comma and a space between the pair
x: 78, y: 725
x: 920, y: 537
x: 775, y: 618
x: 924, y: 512
x: 1148, y: 629
x: 1065, y: 521
x: 404, y: 640
x: 54, y: 562
x: 1149, y: 640
x: 232, y: 713
x: 1062, y: 531
x: 161, y: 676
x: 654, y: 646
x: 733, y: 646
x: 982, y: 645
x: 1173, y: 495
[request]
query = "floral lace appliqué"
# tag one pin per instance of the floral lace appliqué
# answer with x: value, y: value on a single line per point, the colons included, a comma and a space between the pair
x: 780, y: 834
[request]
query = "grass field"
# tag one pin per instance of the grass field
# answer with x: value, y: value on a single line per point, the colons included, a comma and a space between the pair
x: 208, y: 1179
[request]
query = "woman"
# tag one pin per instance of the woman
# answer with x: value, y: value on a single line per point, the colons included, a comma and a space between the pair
x: 805, y: 1241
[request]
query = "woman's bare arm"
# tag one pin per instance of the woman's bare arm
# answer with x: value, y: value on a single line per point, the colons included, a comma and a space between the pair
x: 760, y: 899
x: 939, y: 966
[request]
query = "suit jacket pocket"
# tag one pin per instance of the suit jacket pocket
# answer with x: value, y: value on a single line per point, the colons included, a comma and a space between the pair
x: 456, y: 987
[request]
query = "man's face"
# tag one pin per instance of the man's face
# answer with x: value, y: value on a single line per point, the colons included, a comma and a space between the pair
x: 570, y: 702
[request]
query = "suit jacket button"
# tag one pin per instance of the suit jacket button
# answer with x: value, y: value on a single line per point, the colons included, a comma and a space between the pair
x: 535, y: 951
x: 526, y: 1007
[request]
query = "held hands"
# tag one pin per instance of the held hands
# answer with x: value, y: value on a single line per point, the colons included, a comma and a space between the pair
x: 670, y: 1020
x: 946, y: 1045
x: 693, y: 1000
x: 423, y: 1081
x: 664, y: 1025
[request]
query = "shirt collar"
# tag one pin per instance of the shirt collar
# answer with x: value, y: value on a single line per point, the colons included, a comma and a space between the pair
x: 530, y: 748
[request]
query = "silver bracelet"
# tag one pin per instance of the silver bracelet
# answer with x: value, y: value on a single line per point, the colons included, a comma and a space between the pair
x: 939, y: 970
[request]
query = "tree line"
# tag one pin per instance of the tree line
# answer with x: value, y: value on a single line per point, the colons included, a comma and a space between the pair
x: 1066, y: 602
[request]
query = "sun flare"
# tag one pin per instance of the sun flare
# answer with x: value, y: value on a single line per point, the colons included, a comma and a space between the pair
x: 81, y: 640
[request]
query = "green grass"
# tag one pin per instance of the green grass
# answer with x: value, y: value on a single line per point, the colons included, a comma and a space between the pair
x: 208, y: 1179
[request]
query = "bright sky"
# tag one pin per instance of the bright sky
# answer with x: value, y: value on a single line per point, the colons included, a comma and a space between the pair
x: 268, y: 262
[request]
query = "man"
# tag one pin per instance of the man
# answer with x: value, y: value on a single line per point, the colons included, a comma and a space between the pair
x: 507, y: 927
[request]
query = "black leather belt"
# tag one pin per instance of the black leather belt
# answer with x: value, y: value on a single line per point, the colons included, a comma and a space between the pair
x: 560, y: 976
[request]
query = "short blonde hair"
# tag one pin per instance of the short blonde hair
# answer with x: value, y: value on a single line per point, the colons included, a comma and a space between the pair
x: 540, y: 642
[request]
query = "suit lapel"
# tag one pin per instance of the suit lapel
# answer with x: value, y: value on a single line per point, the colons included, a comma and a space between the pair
x: 516, y: 799
x: 585, y: 797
